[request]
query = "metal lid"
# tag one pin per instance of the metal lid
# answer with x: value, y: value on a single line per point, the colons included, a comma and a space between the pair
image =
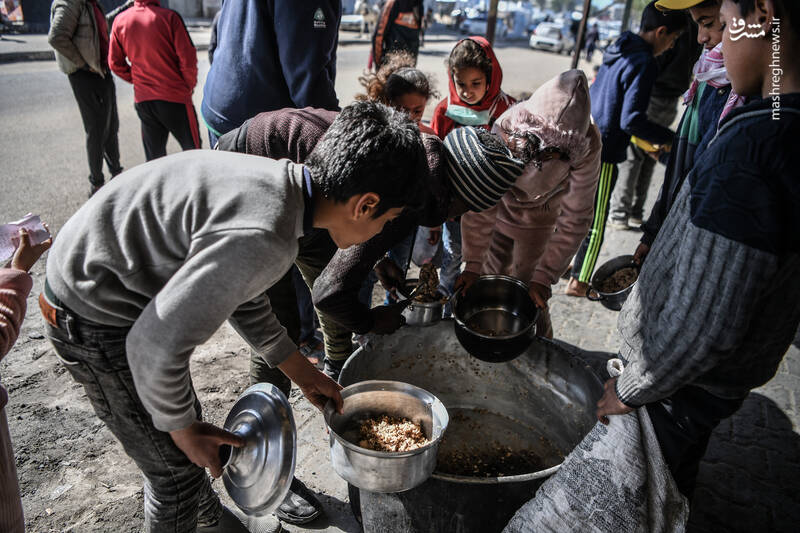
x: 257, y: 476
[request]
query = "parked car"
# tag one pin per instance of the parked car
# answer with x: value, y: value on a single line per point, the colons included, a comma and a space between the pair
x: 477, y: 24
x: 553, y: 37
x: 351, y: 23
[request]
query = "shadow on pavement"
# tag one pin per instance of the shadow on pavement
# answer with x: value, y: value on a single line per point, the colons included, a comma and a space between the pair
x: 749, y: 479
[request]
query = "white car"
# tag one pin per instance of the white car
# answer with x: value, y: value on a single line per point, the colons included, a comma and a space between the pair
x: 351, y: 23
x: 553, y: 37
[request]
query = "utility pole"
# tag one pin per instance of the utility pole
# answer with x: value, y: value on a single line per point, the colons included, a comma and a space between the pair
x: 576, y: 54
x: 491, y: 21
x: 626, y: 16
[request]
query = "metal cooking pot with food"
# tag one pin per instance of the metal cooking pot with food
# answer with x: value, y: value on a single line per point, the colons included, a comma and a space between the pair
x: 379, y: 471
x: 611, y: 300
x: 495, y: 319
x: 421, y: 313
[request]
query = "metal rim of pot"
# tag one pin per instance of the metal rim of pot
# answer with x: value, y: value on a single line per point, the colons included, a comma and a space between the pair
x: 454, y: 300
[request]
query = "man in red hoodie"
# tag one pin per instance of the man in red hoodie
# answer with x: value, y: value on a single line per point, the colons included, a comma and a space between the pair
x: 162, y: 66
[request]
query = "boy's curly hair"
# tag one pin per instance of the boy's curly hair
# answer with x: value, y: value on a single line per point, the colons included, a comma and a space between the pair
x: 469, y: 54
x: 396, y: 77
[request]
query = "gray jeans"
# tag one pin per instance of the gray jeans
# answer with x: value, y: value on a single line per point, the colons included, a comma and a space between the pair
x: 177, y: 493
x: 636, y: 173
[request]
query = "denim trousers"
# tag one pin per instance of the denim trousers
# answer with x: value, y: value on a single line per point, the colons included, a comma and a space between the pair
x: 178, y: 495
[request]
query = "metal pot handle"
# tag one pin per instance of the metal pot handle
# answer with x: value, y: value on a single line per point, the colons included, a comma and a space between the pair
x: 591, y: 298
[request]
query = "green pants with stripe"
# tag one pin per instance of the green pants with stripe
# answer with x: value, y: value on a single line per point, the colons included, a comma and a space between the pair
x: 586, y: 258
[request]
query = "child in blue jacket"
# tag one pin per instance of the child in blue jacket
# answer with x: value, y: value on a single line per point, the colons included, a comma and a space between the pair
x: 620, y: 96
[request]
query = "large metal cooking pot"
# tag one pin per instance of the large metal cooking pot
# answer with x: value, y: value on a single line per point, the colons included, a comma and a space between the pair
x: 611, y: 300
x: 544, y: 401
x: 385, y: 471
x: 419, y: 313
x: 495, y: 319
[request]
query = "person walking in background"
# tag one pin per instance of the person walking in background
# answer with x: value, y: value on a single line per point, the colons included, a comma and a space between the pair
x: 398, y: 29
x: 79, y: 36
x: 620, y: 96
x: 635, y: 174
x: 15, y: 285
x: 591, y: 41
x: 150, y: 47
x: 271, y: 55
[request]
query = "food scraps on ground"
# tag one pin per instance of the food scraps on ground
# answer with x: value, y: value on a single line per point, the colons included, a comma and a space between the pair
x: 391, y: 434
x: 619, y: 280
x: 428, y: 287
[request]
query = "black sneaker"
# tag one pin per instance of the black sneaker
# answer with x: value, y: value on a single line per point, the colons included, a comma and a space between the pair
x: 300, y: 505
x: 93, y: 189
x: 333, y: 367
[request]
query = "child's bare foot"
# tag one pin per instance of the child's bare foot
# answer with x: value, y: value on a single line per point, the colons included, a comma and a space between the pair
x: 576, y: 288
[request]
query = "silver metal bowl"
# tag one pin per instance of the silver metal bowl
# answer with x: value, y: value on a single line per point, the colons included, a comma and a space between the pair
x: 385, y: 471
x: 419, y: 313
x: 611, y: 300
x: 495, y: 319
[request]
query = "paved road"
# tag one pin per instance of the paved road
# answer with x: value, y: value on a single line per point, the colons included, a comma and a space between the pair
x: 44, y: 165
x: 750, y: 480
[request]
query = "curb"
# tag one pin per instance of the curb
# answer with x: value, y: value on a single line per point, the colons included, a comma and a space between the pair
x: 49, y: 55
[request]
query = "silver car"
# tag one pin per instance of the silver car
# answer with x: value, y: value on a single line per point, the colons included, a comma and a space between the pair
x: 553, y: 37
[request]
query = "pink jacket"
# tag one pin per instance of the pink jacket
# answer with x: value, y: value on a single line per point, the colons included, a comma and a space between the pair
x: 14, y: 289
x: 537, y: 226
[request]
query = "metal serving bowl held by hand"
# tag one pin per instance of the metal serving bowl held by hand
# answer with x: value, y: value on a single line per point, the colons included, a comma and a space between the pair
x: 385, y: 471
x: 419, y: 313
x: 611, y: 300
x: 495, y: 319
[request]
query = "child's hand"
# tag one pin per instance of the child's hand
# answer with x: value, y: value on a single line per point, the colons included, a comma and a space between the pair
x: 201, y: 441
x: 26, y: 255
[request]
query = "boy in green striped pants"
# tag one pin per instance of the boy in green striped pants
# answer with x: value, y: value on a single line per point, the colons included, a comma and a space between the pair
x: 620, y: 96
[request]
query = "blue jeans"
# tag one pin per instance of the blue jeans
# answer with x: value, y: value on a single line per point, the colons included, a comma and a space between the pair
x: 177, y: 493
x: 451, y: 259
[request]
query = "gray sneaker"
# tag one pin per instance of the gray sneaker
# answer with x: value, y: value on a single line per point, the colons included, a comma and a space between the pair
x: 229, y: 523
x: 618, y: 223
x: 264, y: 524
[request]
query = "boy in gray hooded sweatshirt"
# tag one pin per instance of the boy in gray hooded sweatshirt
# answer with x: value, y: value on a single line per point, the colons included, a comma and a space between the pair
x: 152, y: 266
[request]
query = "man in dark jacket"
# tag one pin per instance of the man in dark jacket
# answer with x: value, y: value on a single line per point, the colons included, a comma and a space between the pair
x: 271, y: 55
x: 151, y: 48
x: 79, y: 35
x: 635, y: 174
x: 620, y: 96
